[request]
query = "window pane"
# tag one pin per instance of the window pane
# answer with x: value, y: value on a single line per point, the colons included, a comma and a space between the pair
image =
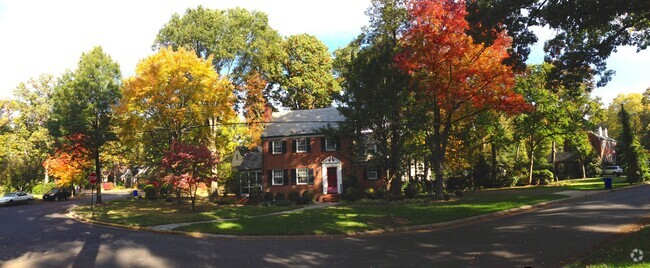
x: 277, y: 147
x: 301, y: 145
x: 278, y: 177
x: 302, y: 176
x: 330, y: 145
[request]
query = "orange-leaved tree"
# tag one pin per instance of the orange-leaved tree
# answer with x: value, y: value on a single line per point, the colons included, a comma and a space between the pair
x: 189, y: 165
x: 70, y: 163
x: 254, y: 107
x: 456, y: 78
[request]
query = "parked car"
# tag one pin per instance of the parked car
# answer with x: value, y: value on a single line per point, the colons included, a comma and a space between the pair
x: 15, y: 198
x: 56, y: 194
x: 613, y: 170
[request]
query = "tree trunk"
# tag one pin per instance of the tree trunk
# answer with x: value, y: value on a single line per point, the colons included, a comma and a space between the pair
x: 553, y: 152
x: 582, y: 168
x: 98, y: 171
x: 494, y: 163
x: 532, y: 160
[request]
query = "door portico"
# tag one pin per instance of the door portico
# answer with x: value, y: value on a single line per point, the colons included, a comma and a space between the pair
x: 332, y: 166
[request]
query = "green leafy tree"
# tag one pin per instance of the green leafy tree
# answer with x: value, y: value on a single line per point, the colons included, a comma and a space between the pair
x: 586, y: 32
x: 634, y: 156
x: 640, y: 123
x: 377, y: 95
x: 556, y: 112
x: 24, y: 135
x: 307, y: 80
x: 83, y: 103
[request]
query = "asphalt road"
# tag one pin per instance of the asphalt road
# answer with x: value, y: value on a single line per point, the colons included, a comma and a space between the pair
x: 40, y: 235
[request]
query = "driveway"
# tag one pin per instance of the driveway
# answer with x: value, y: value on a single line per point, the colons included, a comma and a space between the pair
x: 41, y: 235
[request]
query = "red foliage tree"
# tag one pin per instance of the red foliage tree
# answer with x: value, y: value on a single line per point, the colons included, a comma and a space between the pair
x: 456, y: 78
x: 189, y: 166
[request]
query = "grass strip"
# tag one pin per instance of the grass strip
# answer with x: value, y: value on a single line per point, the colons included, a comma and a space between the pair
x: 356, y: 218
x: 158, y: 212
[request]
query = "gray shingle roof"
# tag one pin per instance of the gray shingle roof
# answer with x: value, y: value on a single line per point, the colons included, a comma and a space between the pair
x: 301, y: 122
x: 252, y: 161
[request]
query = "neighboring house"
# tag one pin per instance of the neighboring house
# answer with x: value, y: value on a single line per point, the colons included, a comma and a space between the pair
x: 298, y: 156
x: 604, y: 145
x: 568, y: 164
x: 248, y: 163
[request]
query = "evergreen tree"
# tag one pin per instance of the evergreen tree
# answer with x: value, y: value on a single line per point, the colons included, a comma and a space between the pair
x: 634, y: 156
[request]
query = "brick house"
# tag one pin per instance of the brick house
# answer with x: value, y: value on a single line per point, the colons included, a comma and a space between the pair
x: 567, y: 163
x: 298, y: 156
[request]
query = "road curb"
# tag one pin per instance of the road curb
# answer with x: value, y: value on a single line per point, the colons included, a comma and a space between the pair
x: 404, y: 229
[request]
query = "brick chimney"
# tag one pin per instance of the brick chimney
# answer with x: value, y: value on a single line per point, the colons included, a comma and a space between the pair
x: 268, y: 112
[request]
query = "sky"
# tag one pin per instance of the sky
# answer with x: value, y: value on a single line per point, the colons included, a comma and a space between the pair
x: 49, y: 36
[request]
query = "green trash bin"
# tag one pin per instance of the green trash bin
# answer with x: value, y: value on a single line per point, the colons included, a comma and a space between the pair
x: 608, y: 183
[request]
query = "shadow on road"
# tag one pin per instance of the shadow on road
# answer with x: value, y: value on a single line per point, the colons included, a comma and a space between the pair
x: 543, y: 237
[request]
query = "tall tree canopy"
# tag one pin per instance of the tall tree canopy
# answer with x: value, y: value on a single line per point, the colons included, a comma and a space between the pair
x: 307, y: 81
x: 634, y: 156
x: 457, y: 78
x: 24, y: 134
x: 587, y: 32
x: 557, y: 111
x: 376, y: 95
x: 640, y: 121
x: 83, y: 104
x: 176, y: 96
x: 239, y: 41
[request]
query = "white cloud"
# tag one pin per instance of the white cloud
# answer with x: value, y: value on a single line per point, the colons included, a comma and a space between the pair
x: 49, y: 36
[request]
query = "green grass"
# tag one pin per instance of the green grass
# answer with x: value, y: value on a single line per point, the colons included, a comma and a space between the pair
x: 157, y: 212
x: 588, y: 184
x: 617, y: 254
x: 356, y: 218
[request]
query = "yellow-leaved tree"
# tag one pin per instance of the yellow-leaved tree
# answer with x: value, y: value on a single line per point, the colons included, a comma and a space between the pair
x: 176, y: 96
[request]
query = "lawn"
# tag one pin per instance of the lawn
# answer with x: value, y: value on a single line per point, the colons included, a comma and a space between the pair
x: 144, y: 212
x: 617, y: 253
x: 588, y: 184
x: 352, y: 218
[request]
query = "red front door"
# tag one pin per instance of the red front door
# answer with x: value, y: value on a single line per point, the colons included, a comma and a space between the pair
x: 332, y: 181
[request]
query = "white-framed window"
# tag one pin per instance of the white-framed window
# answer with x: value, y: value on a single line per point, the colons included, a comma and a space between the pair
x: 302, y: 176
x: 301, y: 145
x: 372, y: 173
x: 277, y: 147
x: 330, y: 145
x: 278, y: 177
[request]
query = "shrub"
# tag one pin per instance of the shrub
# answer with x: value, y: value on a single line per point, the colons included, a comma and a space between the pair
x: 268, y: 196
x: 43, y: 188
x: 302, y: 201
x: 150, y: 191
x: 293, y: 196
x: 165, y: 190
x: 279, y: 196
x: 284, y: 202
x: 411, y: 190
x: 256, y: 195
x: 351, y: 193
x: 370, y: 193
x: 230, y: 200
x: 543, y: 174
x: 308, y: 195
